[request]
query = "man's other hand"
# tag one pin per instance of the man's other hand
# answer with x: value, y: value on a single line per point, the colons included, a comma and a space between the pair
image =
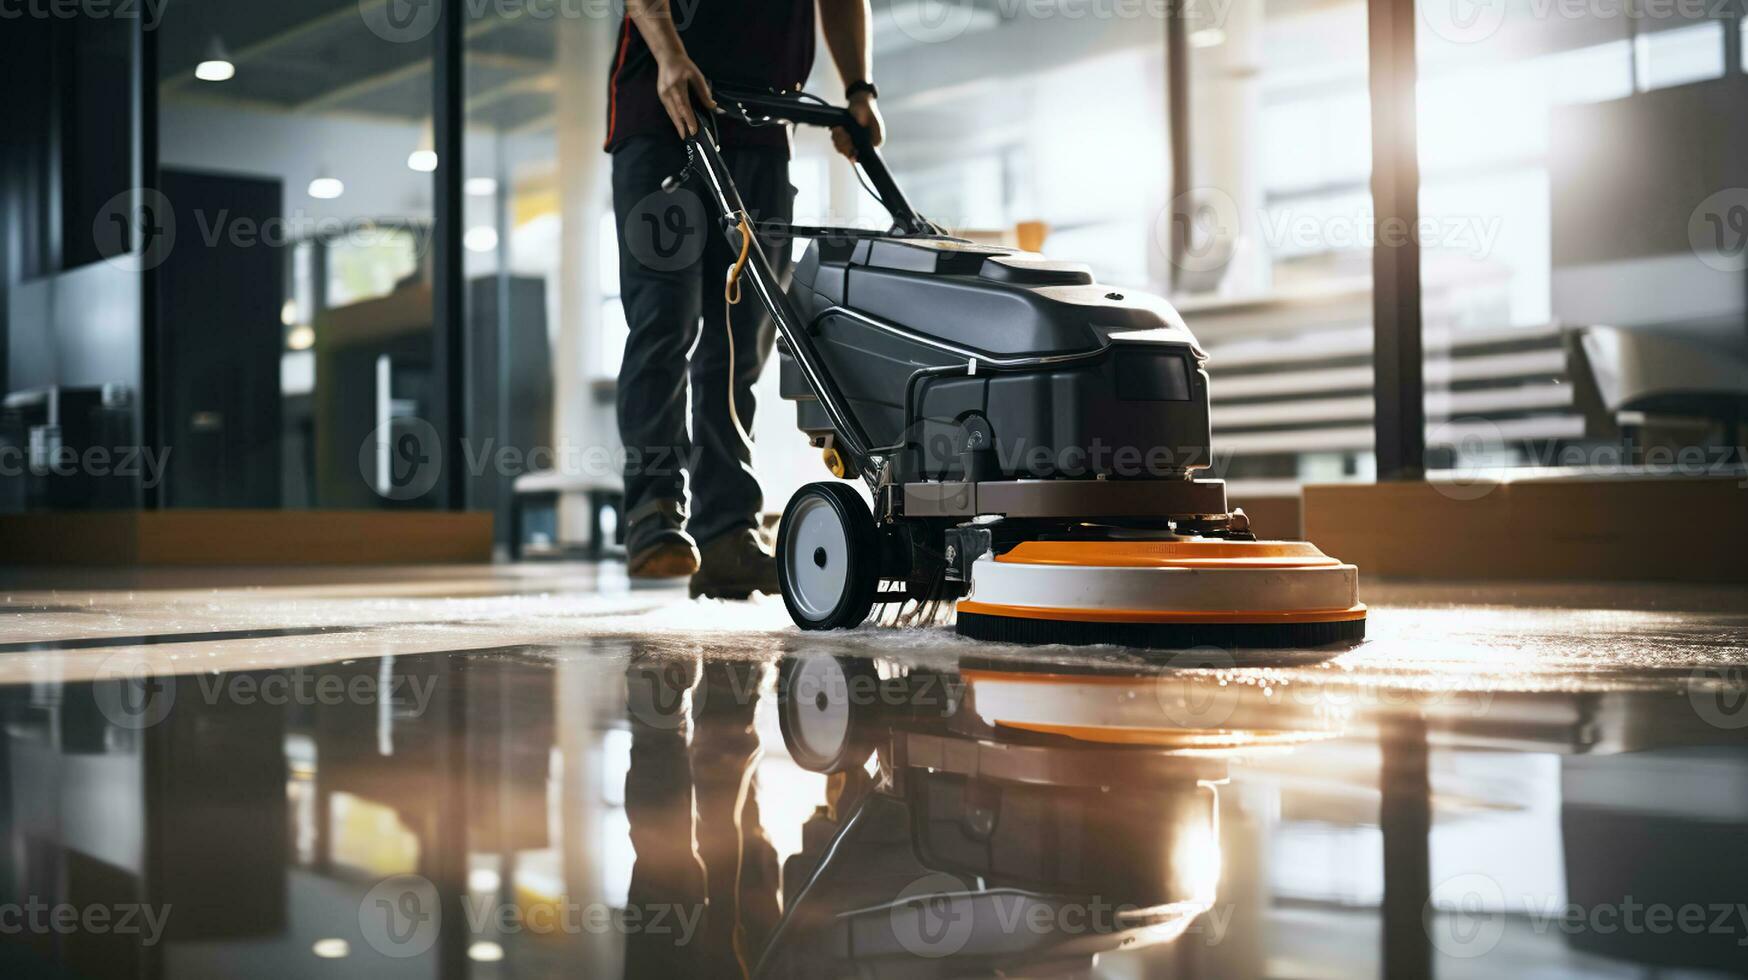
x: 864, y: 111
x: 677, y: 80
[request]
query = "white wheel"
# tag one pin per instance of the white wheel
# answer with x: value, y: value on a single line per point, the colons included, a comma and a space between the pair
x: 825, y: 704
x: 818, y: 557
x: 827, y: 561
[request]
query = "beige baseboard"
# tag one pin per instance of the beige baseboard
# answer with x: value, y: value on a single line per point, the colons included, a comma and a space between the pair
x: 245, y: 537
x: 1691, y: 530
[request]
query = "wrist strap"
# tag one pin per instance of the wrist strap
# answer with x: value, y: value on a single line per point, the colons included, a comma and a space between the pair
x: 858, y: 87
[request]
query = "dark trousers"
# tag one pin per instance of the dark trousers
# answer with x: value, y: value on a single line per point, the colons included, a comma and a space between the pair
x: 692, y: 800
x: 673, y: 259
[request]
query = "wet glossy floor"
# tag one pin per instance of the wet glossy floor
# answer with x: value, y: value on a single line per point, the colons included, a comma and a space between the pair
x: 532, y: 772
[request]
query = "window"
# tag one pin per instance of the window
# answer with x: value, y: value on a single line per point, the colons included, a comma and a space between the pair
x: 1557, y: 159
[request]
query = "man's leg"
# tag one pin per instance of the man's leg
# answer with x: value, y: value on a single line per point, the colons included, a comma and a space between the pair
x: 725, y: 757
x: 668, y: 876
x: 661, y: 244
x: 727, y: 500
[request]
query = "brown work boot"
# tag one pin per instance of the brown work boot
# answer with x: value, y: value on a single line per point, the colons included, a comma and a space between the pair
x: 735, y: 566
x: 656, y: 546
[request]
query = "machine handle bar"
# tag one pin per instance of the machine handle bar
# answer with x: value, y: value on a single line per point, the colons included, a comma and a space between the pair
x: 810, y: 110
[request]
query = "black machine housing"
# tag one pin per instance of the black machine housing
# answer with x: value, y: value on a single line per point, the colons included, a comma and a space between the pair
x: 1040, y: 373
x: 985, y: 394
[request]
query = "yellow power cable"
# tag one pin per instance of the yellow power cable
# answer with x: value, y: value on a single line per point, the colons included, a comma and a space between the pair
x: 731, y: 293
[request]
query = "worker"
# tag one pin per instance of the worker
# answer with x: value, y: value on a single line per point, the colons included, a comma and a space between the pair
x: 673, y: 264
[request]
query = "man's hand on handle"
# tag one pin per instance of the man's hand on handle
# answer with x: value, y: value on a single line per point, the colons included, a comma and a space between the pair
x: 677, y: 81
x: 863, y: 109
x: 851, y: 42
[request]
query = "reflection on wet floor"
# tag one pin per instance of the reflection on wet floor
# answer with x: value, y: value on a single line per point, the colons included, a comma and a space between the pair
x: 317, y: 782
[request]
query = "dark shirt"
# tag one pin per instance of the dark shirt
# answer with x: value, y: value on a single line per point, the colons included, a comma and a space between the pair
x: 766, y: 44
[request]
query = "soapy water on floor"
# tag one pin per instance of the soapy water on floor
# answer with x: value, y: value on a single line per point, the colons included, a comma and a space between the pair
x: 1593, y: 638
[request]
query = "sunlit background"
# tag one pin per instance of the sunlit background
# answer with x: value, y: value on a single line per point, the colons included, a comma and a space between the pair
x: 1563, y: 159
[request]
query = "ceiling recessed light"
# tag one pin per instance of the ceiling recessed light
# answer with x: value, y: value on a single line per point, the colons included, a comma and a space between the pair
x: 326, y: 188
x: 215, y: 71
x: 1207, y: 38
x: 424, y: 155
x: 331, y: 949
x: 485, y: 952
x: 483, y: 238
x: 481, y: 186
x: 301, y: 337
x: 216, y: 66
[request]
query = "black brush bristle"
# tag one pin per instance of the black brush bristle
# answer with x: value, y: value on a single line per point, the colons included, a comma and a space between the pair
x: 1160, y: 636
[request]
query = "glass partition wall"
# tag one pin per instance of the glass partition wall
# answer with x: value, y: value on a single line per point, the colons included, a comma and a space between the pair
x: 295, y: 149
x: 542, y: 306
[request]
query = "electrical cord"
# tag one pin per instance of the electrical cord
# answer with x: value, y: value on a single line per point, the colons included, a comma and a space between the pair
x: 731, y: 294
x: 731, y: 289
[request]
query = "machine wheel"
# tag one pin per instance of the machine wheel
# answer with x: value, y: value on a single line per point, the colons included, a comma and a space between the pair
x: 826, y: 705
x: 828, y: 557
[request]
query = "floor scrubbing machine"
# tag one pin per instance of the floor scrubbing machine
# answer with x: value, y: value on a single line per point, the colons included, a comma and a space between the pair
x: 1030, y: 439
